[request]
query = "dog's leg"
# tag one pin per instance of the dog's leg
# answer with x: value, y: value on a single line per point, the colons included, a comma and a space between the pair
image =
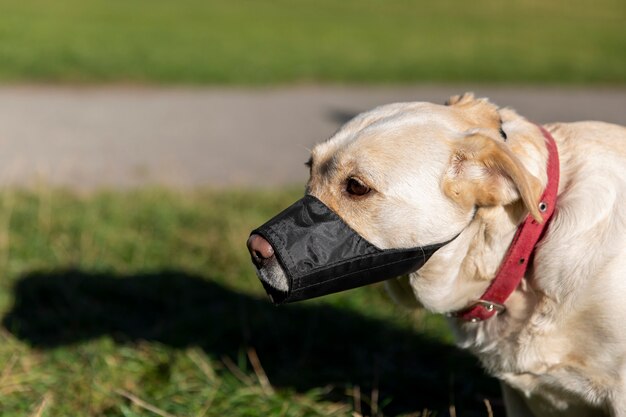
x: 514, y: 403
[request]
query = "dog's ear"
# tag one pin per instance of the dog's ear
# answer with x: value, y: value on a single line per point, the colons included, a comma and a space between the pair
x: 484, y: 172
x: 477, y: 112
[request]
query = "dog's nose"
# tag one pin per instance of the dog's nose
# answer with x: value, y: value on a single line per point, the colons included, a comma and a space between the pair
x: 260, y: 250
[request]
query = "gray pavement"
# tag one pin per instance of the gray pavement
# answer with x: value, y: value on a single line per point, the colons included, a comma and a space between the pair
x: 89, y: 137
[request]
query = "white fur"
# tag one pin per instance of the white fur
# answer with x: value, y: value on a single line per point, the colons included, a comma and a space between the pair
x: 560, y: 348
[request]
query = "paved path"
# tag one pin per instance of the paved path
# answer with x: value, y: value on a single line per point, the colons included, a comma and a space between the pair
x: 120, y: 137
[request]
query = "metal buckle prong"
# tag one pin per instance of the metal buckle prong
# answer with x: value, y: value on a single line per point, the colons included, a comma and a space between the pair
x: 490, y: 306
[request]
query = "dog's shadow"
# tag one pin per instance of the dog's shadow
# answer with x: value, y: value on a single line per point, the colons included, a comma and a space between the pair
x: 300, y: 346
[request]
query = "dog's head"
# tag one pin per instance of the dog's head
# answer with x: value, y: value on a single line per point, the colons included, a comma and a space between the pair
x: 410, y: 175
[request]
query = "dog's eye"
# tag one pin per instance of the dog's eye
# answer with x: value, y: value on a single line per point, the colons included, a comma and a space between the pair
x: 356, y: 187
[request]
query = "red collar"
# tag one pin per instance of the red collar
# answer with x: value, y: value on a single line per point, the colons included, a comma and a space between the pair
x: 519, y: 253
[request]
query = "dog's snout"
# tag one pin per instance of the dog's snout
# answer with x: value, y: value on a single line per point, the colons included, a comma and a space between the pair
x: 260, y: 250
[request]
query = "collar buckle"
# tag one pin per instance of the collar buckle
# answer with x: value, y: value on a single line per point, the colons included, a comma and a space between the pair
x: 489, y: 306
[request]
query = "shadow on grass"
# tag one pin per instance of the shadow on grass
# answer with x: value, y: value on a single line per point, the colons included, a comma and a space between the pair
x: 300, y: 346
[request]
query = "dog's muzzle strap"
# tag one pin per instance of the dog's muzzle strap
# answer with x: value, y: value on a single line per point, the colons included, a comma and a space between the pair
x: 320, y: 254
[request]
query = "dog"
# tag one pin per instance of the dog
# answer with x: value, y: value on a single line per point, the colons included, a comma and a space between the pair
x: 471, y: 173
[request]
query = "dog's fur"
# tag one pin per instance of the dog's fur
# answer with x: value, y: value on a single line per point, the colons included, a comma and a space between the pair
x: 474, y: 168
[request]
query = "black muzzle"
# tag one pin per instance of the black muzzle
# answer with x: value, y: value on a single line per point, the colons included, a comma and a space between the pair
x: 320, y: 254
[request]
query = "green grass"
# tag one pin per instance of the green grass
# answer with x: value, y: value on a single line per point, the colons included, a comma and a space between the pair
x: 144, y: 302
x: 279, y: 41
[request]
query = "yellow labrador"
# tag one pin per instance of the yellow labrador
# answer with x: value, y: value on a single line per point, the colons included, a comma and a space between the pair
x: 409, y: 174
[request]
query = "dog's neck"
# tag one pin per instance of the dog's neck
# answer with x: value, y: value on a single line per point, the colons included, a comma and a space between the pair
x: 464, y: 269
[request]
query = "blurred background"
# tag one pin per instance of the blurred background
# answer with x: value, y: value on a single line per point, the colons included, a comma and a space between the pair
x: 141, y: 141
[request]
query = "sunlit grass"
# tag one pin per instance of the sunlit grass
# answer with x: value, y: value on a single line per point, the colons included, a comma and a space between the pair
x: 260, y: 42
